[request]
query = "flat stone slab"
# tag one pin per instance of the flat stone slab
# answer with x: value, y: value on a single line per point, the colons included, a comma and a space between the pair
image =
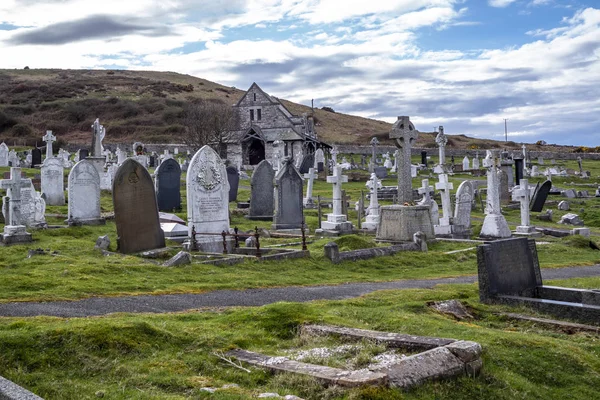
x: 566, y: 326
x: 11, y: 391
x: 332, y: 376
x: 390, y: 339
x: 434, y: 364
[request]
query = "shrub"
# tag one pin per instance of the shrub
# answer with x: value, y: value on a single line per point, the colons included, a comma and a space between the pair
x: 76, y: 112
x: 328, y: 109
x: 22, y: 130
x: 6, y: 121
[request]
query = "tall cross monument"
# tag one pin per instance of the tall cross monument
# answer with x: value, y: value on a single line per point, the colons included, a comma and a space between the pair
x: 405, y: 135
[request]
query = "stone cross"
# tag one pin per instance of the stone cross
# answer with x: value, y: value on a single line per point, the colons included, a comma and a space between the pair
x: 98, y: 133
x: 522, y: 194
x: 13, y: 188
x: 49, y: 138
x: 580, y: 166
x: 374, y: 201
x: 425, y: 190
x: 337, y: 179
x: 374, y: 144
x: 405, y: 138
x: 441, y: 141
x: 444, y: 186
x: 311, y: 175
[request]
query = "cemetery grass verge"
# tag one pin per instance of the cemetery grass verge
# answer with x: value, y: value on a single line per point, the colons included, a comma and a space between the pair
x: 171, y: 356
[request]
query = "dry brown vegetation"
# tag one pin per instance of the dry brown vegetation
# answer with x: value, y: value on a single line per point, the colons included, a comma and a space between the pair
x: 149, y: 106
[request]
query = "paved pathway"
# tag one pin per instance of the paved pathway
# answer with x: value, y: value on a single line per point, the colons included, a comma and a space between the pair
x: 251, y: 297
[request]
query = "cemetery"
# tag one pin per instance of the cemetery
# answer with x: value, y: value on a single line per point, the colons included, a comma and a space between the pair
x: 183, y: 275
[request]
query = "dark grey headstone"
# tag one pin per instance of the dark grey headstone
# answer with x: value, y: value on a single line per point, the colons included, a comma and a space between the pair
x: 307, y: 162
x: 151, y: 162
x: 262, y: 186
x: 36, y: 157
x: 518, y: 170
x: 136, y: 210
x: 508, y: 267
x: 288, y: 198
x: 424, y: 157
x: 168, y: 185
x: 540, y: 196
x: 381, y: 172
x: 320, y: 166
x: 234, y: 182
x: 83, y: 154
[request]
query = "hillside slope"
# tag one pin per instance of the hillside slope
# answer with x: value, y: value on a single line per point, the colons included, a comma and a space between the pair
x: 148, y: 106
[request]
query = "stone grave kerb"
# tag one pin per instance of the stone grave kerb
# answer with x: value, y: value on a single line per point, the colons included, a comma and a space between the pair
x: 404, y: 138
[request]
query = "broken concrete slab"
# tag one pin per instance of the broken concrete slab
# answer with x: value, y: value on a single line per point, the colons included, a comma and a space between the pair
x: 434, y: 364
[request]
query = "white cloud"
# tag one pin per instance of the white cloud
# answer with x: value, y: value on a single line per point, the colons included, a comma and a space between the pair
x: 500, y: 3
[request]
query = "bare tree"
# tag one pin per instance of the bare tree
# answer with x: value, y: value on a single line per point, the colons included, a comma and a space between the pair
x: 206, y: 123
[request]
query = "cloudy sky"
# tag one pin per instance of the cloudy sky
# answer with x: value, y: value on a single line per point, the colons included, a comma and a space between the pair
x: 464, y: 64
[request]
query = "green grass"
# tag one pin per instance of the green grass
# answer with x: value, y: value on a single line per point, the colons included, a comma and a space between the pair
x: 170, y: 356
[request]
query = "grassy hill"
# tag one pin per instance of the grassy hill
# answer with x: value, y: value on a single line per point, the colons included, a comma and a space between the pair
x: 148, y: 106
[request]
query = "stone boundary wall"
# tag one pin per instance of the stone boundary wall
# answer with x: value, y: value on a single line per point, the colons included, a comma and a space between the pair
x: 546, y: 155
x: 11, y: 391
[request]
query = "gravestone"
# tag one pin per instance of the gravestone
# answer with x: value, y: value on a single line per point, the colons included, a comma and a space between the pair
x: 262, y: 202
x: 372, y: 220
x: 465, y: 164
x: 507, y: 267
x: 503, y: 188
x: 424, y: 158
x: 233, y: 177
x: 83, y: 154
x: 288, y: 198
x: 405, y: 136
x: 381, y: 172
x: 441, y: 141
x: 3, y: 155
x: 14, y: 228
x: 136, y: 210
x: 319, y: 160
x: 207, y: 199
x: 13, y: 159
x: 444, y: 186
x: 518, y: 170
x: 311, y: 175
x: 52, y: 184
x: 307, y: 162
x: 36, y: 157
x: 84, y: 195
x: 522, y: 194
x: 400, y: 223
x: 337, y: 220
x: 428, y: 201
x: 168, y: 186
x: 462, y: 210
x: 494, y: 224
x: 540, y: 196
x: 49, y: 138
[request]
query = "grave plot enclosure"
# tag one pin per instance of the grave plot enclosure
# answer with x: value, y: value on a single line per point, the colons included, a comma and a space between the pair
x: 509, y: 272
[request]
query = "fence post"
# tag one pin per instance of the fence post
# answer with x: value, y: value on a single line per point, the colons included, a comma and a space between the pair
x: 224, y: 234
x: 257, y: 237
x: 237, y: 238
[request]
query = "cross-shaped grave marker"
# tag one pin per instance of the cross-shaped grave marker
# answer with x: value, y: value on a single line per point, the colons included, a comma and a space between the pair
x: 444, y: 186
x: 337, y: 220
x: 405, y: 138
x: 13, y: 188
x: 311, y: 175
x: 49, y: 138
x: 522, y: 194
x: 373, y: 216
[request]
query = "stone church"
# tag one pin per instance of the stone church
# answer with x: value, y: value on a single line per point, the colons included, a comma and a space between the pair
x: 268, y: 130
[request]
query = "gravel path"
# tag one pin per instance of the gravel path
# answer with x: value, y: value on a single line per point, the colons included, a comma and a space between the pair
x: 250, y: 297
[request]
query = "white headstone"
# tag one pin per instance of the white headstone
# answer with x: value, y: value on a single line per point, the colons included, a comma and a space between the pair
x: 207, y: 193
x: 3, y: 155
x: 33, y: 207
x: 13, y: 159
x: 464, y: 203
x: 428, y: 201
x: 84, y: 195
x: 52, y: 181
x: 465, y: 163
x: 522, y: 194
x: 444, y: 186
